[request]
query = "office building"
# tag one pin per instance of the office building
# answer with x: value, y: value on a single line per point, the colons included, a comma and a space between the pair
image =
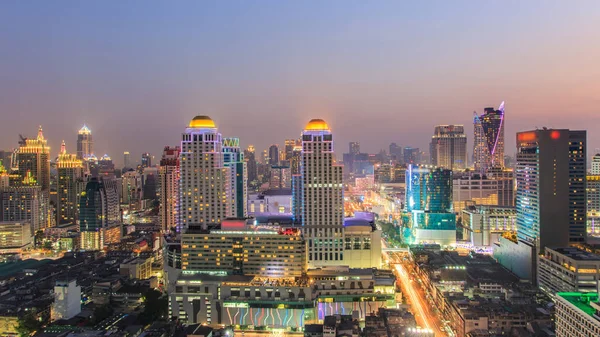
x: 233, y: 158
x: 169, y: 188
x: 15, y: 236
x: 593, y: 204
x: 396, y: 153
x: 322, y: 196
x: 85, y: 144
x: 568, y: 270
x: 551, y: 197
x: 33, y: 161
x: 99, y: 214
x: 429, y: 200
x: 471, y: 188
x: 448, y: 148
x: 488, y: 147
x: 595, y: 164
x: 67, y: 300
x: 250, y: 158
x: 577, y: 315
x: 204, y: 179
x: 69, y: 185
x: 126, y: 160
x: 236, y: 249
x: 362, y: 241
x: 412, y: 155
x: 130, y: 192
x: 289, y: 149
x: 354, y: 148
x: 281, y: 177
x: 150, y: 181
x: 146, y: 160
x: 274, y: 155
x: 138, y: 268
x: 23, y: 204
x: 484, y: 225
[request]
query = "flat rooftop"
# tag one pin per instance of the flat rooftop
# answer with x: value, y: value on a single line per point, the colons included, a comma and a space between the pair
x: 577, y: 254
x: 581, y: 301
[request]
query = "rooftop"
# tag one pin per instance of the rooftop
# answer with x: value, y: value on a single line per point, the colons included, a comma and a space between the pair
x: 577, y: 254
x: 581, y: 301
x: 202, y: 122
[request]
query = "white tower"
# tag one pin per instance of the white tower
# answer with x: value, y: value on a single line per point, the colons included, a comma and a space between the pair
x: 203, y: 175
x: 322, y: 196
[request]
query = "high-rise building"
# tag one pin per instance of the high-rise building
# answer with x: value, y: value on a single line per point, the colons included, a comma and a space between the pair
x: 274, y: 155
x: 233, y: 158
x: 596, y: 164
x: 146, y: 160
x: 448, y: 147
x: 296, y: 158
x: 126, y: 159
x: 15, y: 236
x: 322, y: 195
x: 354, y: 148
x: 5, y: 158
x: 169, y: 187
x: 429, y: 199
x: 106, y: 168
x: 69, y: 185
x: 396, y: 153
x: 250, y: 157
x: 99, y: 214
x: 131, y: 188
x: 23, y: 204
x: 593, y: 204
x: 204, y: 179
x: 551, y: 197
x: 289, y: 149
x: 577, y: 314
x: 412, y: 155
x: 488, y: 146
x: 551, y: 181
x: 33, y: 160
x: 85, y: 145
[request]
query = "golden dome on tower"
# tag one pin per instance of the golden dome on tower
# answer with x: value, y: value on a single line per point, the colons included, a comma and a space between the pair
x: 202, y: 122
x: 317, y: 125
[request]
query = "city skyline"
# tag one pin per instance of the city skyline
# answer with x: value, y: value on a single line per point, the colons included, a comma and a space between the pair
x: 378, y: 66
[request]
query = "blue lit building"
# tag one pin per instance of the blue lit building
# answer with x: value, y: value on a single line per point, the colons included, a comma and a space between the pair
x: 429, y: 205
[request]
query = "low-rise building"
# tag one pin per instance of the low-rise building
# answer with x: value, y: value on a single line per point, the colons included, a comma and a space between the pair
x: 577, y: 314
x: 137, y: 268
x: 568, y: 270
x: 483, y: 225
x: 15, y: 236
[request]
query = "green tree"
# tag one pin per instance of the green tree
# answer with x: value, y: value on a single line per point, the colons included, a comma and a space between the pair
x: 27, y: 324
x: 156, y: 307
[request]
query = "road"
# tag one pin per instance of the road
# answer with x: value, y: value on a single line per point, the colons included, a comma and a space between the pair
x: 422, y: 311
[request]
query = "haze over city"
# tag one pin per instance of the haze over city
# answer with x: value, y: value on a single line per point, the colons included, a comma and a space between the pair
x: 137, y: 72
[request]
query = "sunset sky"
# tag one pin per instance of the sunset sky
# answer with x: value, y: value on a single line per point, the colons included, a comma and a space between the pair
x: 377, y: 71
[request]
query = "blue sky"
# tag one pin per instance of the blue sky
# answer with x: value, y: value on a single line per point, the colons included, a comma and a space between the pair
x: 378, y: 71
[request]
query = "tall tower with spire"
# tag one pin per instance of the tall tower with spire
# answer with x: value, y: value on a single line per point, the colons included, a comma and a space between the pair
x: 69, y: 184
x: 85, y: 145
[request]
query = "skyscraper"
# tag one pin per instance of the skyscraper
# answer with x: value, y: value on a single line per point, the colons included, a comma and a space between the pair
x: 488, y: 146
x: 448, y: 147
x: 250, y: 157
x: 33, y: 160
x: 204, y: 179
x: 412, y: 155
x: 289, y: 149
x: 551, y: 197
x: 99, y: 214
x: 233, y: 159
x: 126, y: 159
x: 322, y: 196
x: 169, y: 187
x: 22, y: 204
x: 69, y: 186
x: 354, y: 148
x: 396, y: 153
x: 296, y: 158
x: 274, y: 155
x: 85, y: 145
x: 146, y: 160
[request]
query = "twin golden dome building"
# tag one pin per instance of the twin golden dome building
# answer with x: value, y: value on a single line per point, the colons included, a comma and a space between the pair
x: 205, y: 122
